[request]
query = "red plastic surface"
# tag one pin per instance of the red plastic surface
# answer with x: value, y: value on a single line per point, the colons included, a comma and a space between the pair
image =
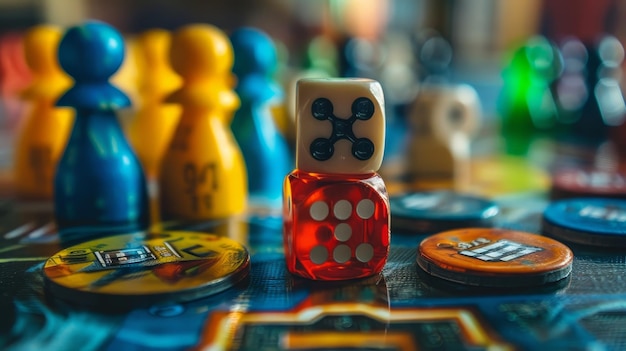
x: 336, y: 227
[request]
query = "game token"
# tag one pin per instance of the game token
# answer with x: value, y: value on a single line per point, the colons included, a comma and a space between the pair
x: 588, y: 183
x: 494, y: 258
x: 436, y: 211
x: 588, y: 221
x: 146, y: 268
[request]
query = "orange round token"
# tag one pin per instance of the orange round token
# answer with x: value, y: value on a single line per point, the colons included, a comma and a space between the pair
x: 494, y: 257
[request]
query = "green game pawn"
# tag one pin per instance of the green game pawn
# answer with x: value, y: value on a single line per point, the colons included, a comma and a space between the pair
x: 526, y: 103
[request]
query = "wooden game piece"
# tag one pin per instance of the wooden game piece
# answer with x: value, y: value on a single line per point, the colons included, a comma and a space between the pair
x: 203, y: 175
x: 254, y: 124
x: 150, y: 130
x: 99, y: 185
x: 45, y: 128
x: 442, y: 121
x: 336, y: 207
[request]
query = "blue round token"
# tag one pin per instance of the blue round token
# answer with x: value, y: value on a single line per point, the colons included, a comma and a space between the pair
x: 588, y: 221
x: 435, y: 211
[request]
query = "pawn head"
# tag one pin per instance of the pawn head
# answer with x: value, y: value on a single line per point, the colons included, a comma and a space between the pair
x: 255, y: 52
x: 92, y: 51
x: 154, y: 45
x: 40, y: 49
x: 200, y: 50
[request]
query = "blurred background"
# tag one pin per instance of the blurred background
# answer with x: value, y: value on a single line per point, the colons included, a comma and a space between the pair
x: 552, y: 52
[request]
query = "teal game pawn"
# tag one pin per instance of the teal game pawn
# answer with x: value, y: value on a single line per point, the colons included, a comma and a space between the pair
x: 265, y: 150
x: 99, y: 187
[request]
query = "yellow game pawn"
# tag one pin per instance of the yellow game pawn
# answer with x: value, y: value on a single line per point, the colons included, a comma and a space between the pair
x: 45, y: 128
x: 203, y: 174
x: 151, y: 129
x: 127, y: 77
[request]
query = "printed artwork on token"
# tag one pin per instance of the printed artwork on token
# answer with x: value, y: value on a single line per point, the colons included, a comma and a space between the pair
x: 146, y: 268
x: 494, y: 258
x: 587, y: 221
x: 435, y: 211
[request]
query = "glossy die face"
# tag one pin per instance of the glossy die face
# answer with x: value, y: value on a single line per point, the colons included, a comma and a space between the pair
x: 340, y: 126
x: 336, y: 227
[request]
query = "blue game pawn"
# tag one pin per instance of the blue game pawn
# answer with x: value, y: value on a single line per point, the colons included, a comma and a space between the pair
x: 99, y: 187
x: 265, y: 150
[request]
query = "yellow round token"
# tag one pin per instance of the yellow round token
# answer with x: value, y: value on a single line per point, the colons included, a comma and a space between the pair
x: 494, y: 258
x: 146, y: 268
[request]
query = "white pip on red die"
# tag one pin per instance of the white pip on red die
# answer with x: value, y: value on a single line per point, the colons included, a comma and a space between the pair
x: 336, y: 207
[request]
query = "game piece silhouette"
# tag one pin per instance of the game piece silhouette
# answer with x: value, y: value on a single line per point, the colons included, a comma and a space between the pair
x: 99, y: 186
x: 442, y: 120
x: 151, y: 129
x: 254, y: 123
x: 203, y: 175
x: 45, y: 128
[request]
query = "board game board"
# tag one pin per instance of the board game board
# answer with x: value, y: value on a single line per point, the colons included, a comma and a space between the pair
x: 402, y: 309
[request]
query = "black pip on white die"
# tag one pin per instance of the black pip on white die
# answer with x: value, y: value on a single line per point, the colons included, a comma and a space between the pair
x: 322, y: 149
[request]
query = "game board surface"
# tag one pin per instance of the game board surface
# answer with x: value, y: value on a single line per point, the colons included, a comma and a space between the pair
x: 402, y: 309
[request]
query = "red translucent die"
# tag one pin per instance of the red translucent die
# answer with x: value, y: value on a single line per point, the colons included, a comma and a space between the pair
x: 336, y: 227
